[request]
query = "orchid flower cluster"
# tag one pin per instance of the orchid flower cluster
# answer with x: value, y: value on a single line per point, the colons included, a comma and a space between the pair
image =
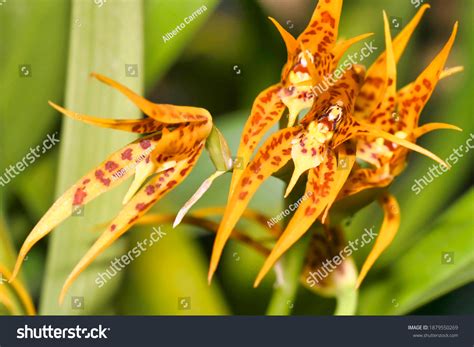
x: 348, y: 141
x: 353, y: 137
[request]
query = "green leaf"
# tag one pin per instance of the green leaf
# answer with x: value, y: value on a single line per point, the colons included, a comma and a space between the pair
x: 109, y: 38
x: 38, y: 197
x: 175, y: 282
x: 441, y: 261
x: 33, y: 37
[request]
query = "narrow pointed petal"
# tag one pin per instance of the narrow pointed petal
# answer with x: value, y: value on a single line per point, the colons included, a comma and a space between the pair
x: 139, y: 126
x: 273, y: 155
x: 142, y: 171
x: 266, y: 111
x: 346, y: 157
x: 5, y: 300
x: 451, y: 71
x: 196, y: 196
x: 20, y: 291
x: 318, y: 192
x: 426, y: 128
x: 376, y: 81
x: 402, y: 39
x: 205, y: 212
x: 390, y: 62
x: 209, y: 225
x: 414, y: 98
x: 447, y: 72
x: 362, y: 179
x: 112, y: 172
x: 290, y: 42
x: 321, y: 33
x: 343, y: 46
x: 389, y: 229
x: 248, y: 213
x: 366, y: 129
x: 168, y: 114
x: 153, y: 191
x: 377, y: 92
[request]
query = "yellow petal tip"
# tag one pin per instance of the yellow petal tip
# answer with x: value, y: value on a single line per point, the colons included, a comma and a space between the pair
x: 258, y: 280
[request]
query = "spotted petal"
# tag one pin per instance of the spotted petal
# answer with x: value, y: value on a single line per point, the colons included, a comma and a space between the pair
x: 341, y: 47
x: 139, y: 126
x: 180, y: 142
x: 413, y: 99
x: 164, y: 113
x: 273, y: 155
x: 318, y: 195
x: 266, y: 111
x: 346, y: 157
x: 153, y: 191
x: 376, y: 81
x: 321, y: 33
x: 359, y: 128
x: 112, y: 172
x: 387, y: 232
x: 361, y: 179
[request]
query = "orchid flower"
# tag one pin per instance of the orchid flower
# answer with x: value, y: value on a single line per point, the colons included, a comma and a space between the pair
x: 328, y: 133
x: 315, y: 49
x: 396, y: 112
x: 161, y: 160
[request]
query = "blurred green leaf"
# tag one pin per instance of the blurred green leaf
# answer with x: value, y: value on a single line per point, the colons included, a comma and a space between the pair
x: 165, y: 282
x: 38, y: 197
x: 33, y: 38
x: 438, y: 263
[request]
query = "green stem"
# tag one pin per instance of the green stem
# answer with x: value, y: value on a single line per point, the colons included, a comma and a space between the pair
x: 283, y: 298
x: 346, y: 302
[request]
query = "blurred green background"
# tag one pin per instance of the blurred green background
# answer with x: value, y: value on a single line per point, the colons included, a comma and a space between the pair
x: 219, y: 61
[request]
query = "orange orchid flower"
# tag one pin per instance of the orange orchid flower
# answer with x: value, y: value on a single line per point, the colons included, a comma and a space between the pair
x: 330, y: 131
x: 396, y: 112
x: 175, y: 138
x: 312, y: 56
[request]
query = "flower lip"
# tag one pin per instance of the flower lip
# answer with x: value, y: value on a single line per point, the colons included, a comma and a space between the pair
x: 331, y: 118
